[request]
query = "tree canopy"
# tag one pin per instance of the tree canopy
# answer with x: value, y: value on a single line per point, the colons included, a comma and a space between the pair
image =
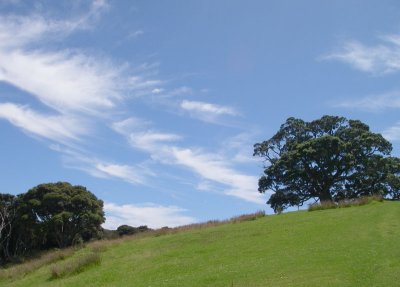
x: 48, y: 215
x: 328, y: 159
x: 62, y: 212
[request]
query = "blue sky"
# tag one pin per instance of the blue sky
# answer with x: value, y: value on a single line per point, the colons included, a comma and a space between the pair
x: 154, y: 106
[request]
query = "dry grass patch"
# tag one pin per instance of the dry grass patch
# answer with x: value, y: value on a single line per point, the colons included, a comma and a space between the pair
x: 248, y: 217
x: 75, y: 265
x: 34, y: 264
x: 344, y: 203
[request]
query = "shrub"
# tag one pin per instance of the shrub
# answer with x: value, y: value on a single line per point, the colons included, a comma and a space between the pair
x: 130, y: 230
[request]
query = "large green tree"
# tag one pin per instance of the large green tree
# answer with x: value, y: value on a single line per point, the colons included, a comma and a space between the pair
x: 328, y: 159
x: 60, y: 213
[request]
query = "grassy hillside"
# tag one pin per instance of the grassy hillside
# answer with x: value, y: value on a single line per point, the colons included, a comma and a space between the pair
x: 356, y: 246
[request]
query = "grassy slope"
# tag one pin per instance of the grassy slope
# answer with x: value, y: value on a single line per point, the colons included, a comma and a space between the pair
x: 357, y: 246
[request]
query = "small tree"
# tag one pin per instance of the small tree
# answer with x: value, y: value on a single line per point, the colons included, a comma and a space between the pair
x: 129, y: 230
x: 126, y: 230
x: 7, y: 220
x: 58, y: 213
x: 328, y: 159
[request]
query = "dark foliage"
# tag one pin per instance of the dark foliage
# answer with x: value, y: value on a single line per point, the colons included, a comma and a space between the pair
x: 329, y: 159
x: 48, y: 215
x: 129, y: 230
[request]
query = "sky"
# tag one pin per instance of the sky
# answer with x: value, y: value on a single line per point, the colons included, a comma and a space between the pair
x: 154, y: 106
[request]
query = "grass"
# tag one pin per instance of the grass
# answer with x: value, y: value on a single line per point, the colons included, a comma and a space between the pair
x: 355, y: 246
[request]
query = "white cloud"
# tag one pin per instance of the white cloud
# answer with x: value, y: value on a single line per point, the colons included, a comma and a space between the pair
x: 392, y: 133
x: 216, y: 168
x: 62, y: 81
x: 125, y: 172
x: 149, y: 139
x: 65, y: 80
x: 241, y: 146
x: 135, y: 34
x: 140, y: 83
x: 157, y: 91
x: 129, y: 125
x: 382, y: 58
x: 152, y: 215
x: 374, y: 103
x: 181, y: 91
x: 211, y: 167
x: 18, y: 31
x: 207, y: 108
x: 132, y: 173
x: 56, y: 128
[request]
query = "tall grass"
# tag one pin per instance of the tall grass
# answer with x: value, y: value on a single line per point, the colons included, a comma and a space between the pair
x: 344, y: 203
x: 34, y: 264
x: 248, y: 217
x: 74, y: 266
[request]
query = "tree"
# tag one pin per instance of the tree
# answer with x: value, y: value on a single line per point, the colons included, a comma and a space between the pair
x: 7, y: 219
x: 126, y: 230
x: 129, y: 230
x: 59, y: 214
x: 328, y: 159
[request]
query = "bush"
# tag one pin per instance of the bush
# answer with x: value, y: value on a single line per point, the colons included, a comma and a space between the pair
x: 130, y: 230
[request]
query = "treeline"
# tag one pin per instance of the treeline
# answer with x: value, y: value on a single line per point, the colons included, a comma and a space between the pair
x: 53, y: 215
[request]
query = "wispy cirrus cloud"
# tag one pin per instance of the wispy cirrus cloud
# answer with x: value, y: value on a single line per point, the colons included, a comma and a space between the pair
x: 379, y: 59
x: 210, y: 167
x: 214, y: 167
x: 207, y: 112
x: 150, y: 139
x: 62, y: 81
x: 207, y: 108
x: 136, y: 174
x: 128, y: 173
x: 373, y: 103
x: 65, y: 80
x: 392, y: 133
x: 152, y: 215
x: 34, y: 28
x: 80, y: 92
x: 57, y: 128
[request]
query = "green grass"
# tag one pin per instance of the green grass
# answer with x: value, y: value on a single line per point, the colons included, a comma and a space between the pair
x: 355, y: 246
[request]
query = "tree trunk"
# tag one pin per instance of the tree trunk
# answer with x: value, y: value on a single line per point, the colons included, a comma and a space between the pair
x: 325, y: 196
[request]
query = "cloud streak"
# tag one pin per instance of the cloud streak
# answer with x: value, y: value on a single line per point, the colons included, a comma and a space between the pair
x: 373, y: 103
x: 392, y: 133
x: 212, y: 167
x: 216, y: 168
x: 52, y: 127
x: 379, y: 59
x: 63, y: 81
x: 207, y: 108
x: 130, y: 174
